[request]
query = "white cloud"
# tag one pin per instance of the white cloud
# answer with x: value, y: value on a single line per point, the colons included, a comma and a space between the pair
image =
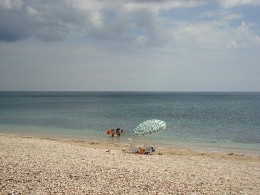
x: 32, y: 11
x: 96, y: 19
x: 214, y: 35
x: 233, y: 3
x: 157, y: 6
x: 11, y: 4
x: 221, y: 15
x: 141, y: 40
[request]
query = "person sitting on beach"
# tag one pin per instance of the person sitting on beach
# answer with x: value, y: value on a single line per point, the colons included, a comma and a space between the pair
x: 141, y: 150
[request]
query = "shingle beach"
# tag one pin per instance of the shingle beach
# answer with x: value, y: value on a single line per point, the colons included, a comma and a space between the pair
x: 30, y: 165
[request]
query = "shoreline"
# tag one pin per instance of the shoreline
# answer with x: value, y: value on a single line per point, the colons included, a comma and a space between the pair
x: 32, y: 165
x: 223, y: 146
x: 246, y: 149
x: 123, y: 146
x: 123, y: 140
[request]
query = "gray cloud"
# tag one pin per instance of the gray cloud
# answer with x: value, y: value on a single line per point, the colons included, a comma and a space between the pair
x: 47, y: 20
x: 124, y: 22
x: 129, y: 21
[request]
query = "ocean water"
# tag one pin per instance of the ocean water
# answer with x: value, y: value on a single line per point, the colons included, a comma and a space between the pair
x: 196, y: 120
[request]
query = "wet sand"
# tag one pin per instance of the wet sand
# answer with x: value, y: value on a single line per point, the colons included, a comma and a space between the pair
x: 30, y: 165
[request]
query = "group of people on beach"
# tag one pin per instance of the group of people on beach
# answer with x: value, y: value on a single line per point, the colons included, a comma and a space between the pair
x: 143, y: 150
x: 115, y: 132
x: 133, y: 148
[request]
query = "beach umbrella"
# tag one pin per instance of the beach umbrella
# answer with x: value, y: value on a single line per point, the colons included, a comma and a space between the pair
x: 150, y: 127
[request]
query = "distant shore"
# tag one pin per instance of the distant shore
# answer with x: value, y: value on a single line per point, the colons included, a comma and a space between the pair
x: 45, y: 165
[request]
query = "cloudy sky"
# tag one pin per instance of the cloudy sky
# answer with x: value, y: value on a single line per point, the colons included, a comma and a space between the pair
x: 130, y: 45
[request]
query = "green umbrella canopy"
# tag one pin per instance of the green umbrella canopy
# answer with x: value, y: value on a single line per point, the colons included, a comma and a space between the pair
x: 150, y: 127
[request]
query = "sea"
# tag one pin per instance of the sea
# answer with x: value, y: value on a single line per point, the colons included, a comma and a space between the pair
x: 211, y: 121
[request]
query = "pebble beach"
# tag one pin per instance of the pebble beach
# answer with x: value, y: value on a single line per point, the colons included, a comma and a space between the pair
x: 31, y: 165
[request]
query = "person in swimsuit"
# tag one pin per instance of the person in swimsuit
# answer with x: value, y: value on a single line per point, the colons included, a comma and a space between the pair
x: 118, y: 131
x: 113, y: 132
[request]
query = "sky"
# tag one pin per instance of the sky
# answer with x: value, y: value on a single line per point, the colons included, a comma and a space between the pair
x: 130, y: 45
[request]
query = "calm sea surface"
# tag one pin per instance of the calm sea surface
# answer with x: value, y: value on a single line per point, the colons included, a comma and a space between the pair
x: 201, y: 120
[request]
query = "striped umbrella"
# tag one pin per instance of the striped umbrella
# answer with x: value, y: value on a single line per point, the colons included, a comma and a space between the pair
x: 150, y: 127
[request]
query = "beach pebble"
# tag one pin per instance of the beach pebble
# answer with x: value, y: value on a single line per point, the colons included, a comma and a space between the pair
x: 44, y: 166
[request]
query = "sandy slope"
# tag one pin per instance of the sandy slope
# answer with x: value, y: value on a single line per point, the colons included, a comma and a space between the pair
x: 45, y: 166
